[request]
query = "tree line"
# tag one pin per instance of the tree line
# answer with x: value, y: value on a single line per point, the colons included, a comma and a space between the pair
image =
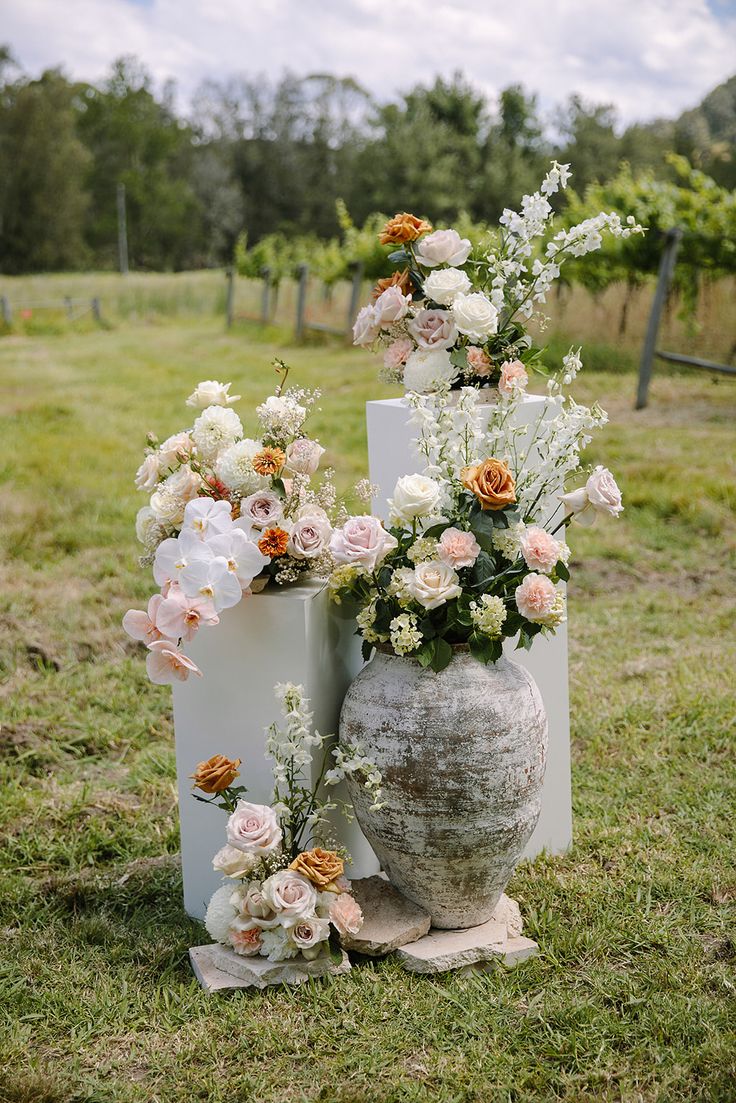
x: 293, y: 156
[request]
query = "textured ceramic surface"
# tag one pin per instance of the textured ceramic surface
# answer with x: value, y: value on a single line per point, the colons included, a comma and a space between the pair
x: 462, y: 755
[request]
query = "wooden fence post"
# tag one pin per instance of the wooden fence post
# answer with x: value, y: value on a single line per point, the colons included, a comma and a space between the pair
x: 6, y: 311
x: 355, y: 290
x: 96, y: 312
x: 230, y: 296
x: 664, y: 279
x: 265, y: 294
x: 301, y: 300
x: 68, y: 306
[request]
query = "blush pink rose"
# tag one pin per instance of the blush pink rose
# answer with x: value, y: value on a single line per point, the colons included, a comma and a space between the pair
x: 303, y: 456
x: 390, y: 306
x: 443, y: 247
x: 433, y: 329
x: 514, y: 378
x: 262, y: 509
x: 457, y: 548
x: 540, y: 550
x: 362, y: 541
x: 346, y: 915
x: 166, y: 664
x: 478, y: 360
x: 366, y: 327
x: 254, y: 828
x: 599, y: 495
x: 535, y: 598
x: 398, y: 353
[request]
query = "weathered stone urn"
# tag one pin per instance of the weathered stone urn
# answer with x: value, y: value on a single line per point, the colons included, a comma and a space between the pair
x: 462, y: 753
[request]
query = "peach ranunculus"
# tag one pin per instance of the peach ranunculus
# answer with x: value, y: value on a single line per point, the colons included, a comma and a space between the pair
x: 216, y: 774
x: 479, y: 361
x: 457, y: 548
x: 540, y: 550
x: 346, y: 915
x: 491, y: 482
x: 166, y: 664
x: 535, y: 598
x: 273, y: 542
x: 397, y: 353
x: 514, y: 378
x: 319, y: 866
x: 401, y: 279
x: 403, y: 227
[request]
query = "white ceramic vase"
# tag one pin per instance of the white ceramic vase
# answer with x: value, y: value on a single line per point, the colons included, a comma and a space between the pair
x: 462, y: 753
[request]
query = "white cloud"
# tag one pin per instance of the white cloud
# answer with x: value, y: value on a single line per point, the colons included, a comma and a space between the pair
x: 648, y: 57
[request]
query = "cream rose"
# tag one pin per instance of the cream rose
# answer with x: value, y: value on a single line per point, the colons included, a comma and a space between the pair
x: 362, y: 541
x: 433, y: 329
x: 254, y: 828
x: 427, y: 369
x: 366, y: 327
x: 475, y: 316
x: 414, y: 496
x: 457, y: 548
x: 391, y: 306
x: 445, y: 284
x: 433, y: 583
x: 174, y: 448
x: 303, y: 456
x: 540, y: 550
x: 211, y: 393
x: 310, y: 534
x: 599, y: 495
x: 290, y: 895
x: 233, y: 862
x: 149, y: 472
x: 443, y: 247
x: 255, y: 905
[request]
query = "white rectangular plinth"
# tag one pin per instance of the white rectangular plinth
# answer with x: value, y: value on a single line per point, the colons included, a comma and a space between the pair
x: 392, y: 453
x: 285, y: 634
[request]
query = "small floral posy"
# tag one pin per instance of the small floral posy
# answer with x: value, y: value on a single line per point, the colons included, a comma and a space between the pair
x: 227, y: 514
x: 454, y: 316
x: 284, y: 899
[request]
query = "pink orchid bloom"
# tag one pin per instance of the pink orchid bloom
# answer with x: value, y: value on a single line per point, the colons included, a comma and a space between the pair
x: 166, y: 664
x: 180, y: 616
x: 144, y: 626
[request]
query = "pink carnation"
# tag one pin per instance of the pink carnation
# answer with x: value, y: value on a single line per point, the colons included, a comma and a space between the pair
x: 540, y: 550
x: 535, y: 598
x: 479, y: 360
x: 457, y: 548
x: 513, y: 378
x: 345, y: 914
x: 247, y: 942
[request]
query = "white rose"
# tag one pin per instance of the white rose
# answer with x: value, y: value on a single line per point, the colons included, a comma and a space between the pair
x: 443, y: 247
x: 433, y: 329
x: 362, y: 541
x: 149, y: 472
x: 254, y: 828
x: 599, y: 495
x: 445, y: 284
x: 475, y: 316
x: 211, y: 393
x: 233, y: 862
x: 146, y: 525
x: 310, y: 534
x: 427, y: 369
x: 414, y: 496
x: 366, y: 328
x: 390, y: 306
x: 433, y: 583
x: 289, y: 894
x: 255, y: 905
x: 303, y: 456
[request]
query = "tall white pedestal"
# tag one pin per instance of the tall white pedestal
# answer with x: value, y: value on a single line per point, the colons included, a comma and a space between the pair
x: 391, y: 453
x: 285, y: 634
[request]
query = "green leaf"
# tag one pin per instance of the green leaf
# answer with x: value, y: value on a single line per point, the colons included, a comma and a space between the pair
x: 459, y: 357
x: 400, y: 256
x: 424, y: 654
x: 437, y: 530
x: 366, y: 650
x: 335, y: 950
x: 562, y: 572
x: 442, y: 654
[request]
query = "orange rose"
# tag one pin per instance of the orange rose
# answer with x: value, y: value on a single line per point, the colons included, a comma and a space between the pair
x: 402, y: 228
x: 269, y: 461
x: 491, y: 482
x: 273, y: 542
x: 319, y: 866
x: 399, y: 279
x: 215, y: 774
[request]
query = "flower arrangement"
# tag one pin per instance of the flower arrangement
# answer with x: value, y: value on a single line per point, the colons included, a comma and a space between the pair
x: 449, y: 316
x: 282, y: 900
x: 227, y: 515
x: 474, y: 553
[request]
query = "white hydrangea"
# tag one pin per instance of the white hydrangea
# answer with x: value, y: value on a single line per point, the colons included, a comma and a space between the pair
x: 558, y: 613
x: 508, y: 541
x: 488, y: 615
x: 423, y: 548
x: 405, y: 634
x: 215, y: 429
x: 365, y: 619
x: 234, y: 468
x: 221, y: 912
x: 276, y: 944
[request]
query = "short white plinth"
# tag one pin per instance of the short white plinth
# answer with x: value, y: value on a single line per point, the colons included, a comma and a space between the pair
x: 391, y: 453
x: 285, y: 634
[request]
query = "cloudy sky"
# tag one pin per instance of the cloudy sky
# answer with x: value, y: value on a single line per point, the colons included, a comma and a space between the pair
x: 649, y: 57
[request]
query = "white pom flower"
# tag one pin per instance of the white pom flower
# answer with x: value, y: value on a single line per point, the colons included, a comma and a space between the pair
x: 234, y: 468
x: 215, y: 429
x: 221, y: 911
x: 427, y: 369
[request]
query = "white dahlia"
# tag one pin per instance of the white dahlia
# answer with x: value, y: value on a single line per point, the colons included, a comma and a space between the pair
x: 215, y: 428
x: 234, y: 467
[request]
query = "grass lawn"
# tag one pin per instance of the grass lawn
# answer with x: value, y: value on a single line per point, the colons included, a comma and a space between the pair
x: 634, y: 995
